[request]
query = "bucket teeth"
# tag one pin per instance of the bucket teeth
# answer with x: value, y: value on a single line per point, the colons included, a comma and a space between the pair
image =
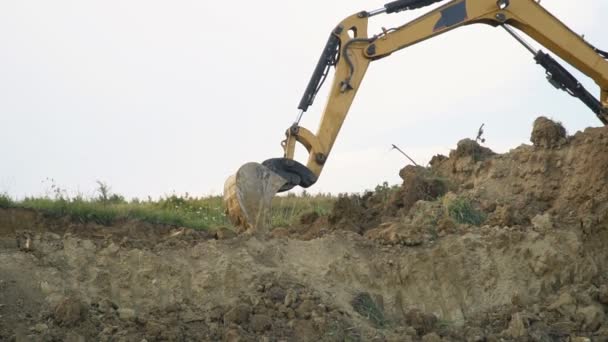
x: 248, y: 197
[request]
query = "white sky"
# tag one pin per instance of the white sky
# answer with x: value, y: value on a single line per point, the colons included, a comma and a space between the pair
x: 155, y: 97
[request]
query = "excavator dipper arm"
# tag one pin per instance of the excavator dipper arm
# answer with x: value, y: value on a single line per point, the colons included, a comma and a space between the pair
x: 350, y: 49
x: 358, y: 52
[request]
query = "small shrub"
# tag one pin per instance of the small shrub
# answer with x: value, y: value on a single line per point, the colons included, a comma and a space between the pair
x: 6, y: 202
x: 367, y: 307
x: 462, y: 211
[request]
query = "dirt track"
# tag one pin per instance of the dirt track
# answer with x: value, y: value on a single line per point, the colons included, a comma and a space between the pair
x: 536, y: 269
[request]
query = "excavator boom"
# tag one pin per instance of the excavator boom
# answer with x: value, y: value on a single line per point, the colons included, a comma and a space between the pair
x: 350, y: 49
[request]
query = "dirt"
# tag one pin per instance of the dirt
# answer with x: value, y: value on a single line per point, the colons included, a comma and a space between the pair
x: 477, y: 247
x: 547, y: 133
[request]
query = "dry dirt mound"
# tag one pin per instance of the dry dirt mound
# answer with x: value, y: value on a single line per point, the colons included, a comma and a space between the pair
x: 478, y: 247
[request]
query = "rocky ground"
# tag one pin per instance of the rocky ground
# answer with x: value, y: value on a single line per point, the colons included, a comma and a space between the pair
x: 476, y: 247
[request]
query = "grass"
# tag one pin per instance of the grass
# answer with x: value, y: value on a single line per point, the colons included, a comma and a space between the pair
x: 287, y: 210
x: 462, y: 211
x: 184, y: 211
x: 367, y: 307
x: 6, y: 201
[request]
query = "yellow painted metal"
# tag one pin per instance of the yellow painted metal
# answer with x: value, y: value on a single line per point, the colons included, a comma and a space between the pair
x: 538, y: 23
x: 309, y: 141
x: 526, y: 15
x: 339, y: 101
x: 423, y: 28
x: 290, y: 145
x: 604, y: 99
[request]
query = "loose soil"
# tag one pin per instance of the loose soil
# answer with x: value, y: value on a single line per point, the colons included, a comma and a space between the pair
x: 476, y: 247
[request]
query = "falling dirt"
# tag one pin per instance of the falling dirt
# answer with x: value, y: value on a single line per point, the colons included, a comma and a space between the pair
x: 477, y: 247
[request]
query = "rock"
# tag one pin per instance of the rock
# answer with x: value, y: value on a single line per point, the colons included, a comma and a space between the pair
x: 305, y: 309
x: 74, y: 337
x: 291, y: 314
x: 517, y: 326
x: 565, y: 304
x: 280, y: 233
x: 563, y: 328
x: 126, y: 314
x: 581, y: 339
x: 25, y: 241
x: 591, y: 317
x: 502, y: 216
x: 472, y: 149
x: 410, y: 331
x: 603, y: 295
x: 304, y: 330
x: 543, y: 223
x: 238, y: 315
x: 106, y: 306
x: 154, y: 329
x: 522, y: 300
x: 547, y: 133
x: 432, y: 337
x: 418, y: 184
x: 20, y: 335
x: 291, y: 297
x: 422, y: 322
x: 277, y: 294
x: 538, y: 331
x: 216, y: 314
x: 225, y: 234
x: 68, y: 312
x: 261, y: 323
x: 397, y: 233
x: 232, y: 335
x: 40, y: 328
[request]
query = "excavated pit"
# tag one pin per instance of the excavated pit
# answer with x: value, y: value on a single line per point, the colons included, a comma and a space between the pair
x: 478, y: 247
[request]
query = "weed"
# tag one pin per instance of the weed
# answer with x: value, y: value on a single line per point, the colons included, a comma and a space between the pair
x: 367, y: 307
x: 444, y: 323
x: 6, y: 202
x: 384, y: 192
x: 106, y: 208
x: 105, y: 194
x: 462, y: 211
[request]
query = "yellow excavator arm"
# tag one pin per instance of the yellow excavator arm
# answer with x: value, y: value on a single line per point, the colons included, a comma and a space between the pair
x: 350, y: 49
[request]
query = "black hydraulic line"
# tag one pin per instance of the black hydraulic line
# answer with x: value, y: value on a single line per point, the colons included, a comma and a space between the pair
x: 562, y: 79
x: 346, y: 84
x: 404, y: 5
x: 328, y: 59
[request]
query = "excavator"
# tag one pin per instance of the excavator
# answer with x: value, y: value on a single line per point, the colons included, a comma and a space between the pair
x: 350, y: 49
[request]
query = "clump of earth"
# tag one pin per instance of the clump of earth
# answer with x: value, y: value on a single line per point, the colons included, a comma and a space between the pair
x: 477, y: 246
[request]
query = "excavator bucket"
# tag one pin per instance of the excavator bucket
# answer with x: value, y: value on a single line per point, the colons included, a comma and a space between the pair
x: 248, y: 195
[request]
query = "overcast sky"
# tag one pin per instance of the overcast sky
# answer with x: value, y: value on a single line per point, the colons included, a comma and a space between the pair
x: 155, y: 97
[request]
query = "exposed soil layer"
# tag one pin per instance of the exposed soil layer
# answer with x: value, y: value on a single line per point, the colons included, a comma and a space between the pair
x: 477, y: 247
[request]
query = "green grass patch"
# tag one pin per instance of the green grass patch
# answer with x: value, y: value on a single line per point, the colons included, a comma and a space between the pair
x: 198, y: 213
x: 184, y: 211
x: 287, y: 210
x: 367, y: 307
x: 6, y: 201
x: 462, y: 211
